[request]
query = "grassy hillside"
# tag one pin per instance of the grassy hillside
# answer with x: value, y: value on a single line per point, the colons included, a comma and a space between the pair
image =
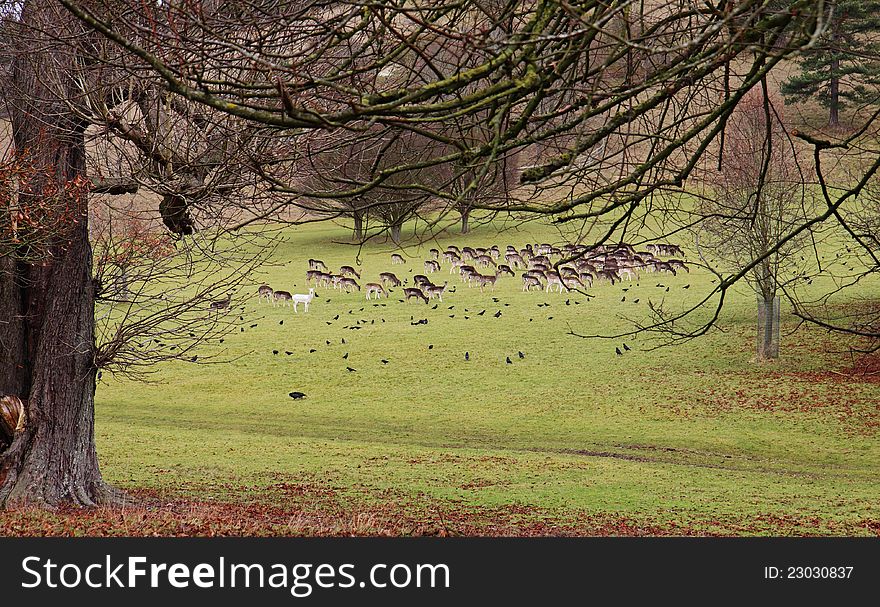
x: 689, y: 439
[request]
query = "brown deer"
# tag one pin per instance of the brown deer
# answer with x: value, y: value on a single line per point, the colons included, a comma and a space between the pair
x: 484, y: 280
x: 417, y: 293
x: 432, y: 266
x: 282, y: 296
x: 348, y: 284
x: 349, y: 271
x: 317, y: 264
x: 436, y: 291
x: 389, y: 277
x: 265, y: 291
x: 530, y: 281
x: 374, y: 287
x: 397, y: 259
x: 505, y: 269
x: 222, y: 304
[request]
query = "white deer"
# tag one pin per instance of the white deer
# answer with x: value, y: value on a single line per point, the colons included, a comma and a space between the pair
x: 299, y: 298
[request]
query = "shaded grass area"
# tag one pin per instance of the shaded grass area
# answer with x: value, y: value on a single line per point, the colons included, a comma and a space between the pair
x: 569, y: 439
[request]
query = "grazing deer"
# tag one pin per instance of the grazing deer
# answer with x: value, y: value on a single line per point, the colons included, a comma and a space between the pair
x: 265, y: 291
x: 504, y: 269
x: 586, y: 278
x: 299, y: 298
x: 451, y: 256
x: 608, y: 274
x: 314, y: 275
x: 553, y: 278
x: 417, y: 293
x: 485, y: 261
x: 456, y: 264
x: 348, y: 284
x: 349, y: 271
x: 222, y: 304
x: 629, y: 273
x: 389, y: 277
x: 317, y: 264
x: 374, y: 287
x: 436, y: 290
x: 397, y: 259
x: 421, y: 279
x: 454, y: 249
x: 325, y: 279
x: 515, y: 259
x: 530, y: 281
x: 677, y: 263
x: 282, y: 296
x: 432, y: 266
x: 572, y: 282
x: 467, y: 272
x: 484, y: 280
x: 468, y: 253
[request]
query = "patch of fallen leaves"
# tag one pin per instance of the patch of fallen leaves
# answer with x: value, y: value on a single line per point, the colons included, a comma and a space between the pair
x: 278, y: 510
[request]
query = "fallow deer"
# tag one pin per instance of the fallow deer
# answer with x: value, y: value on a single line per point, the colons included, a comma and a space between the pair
x: 436, y: 291
x: 417, y: 293
x: 432, y: 266
x: 348, y: 284
x: 553, y: 278
x: 265, y: 291
x: 282, y: 296
x: 397, y: 259
x: 389, y: 277
x: 374, y: 287
x: 317, y: 264
x: 300, y: 298
x: 530, y: 281
x: 349, y: 271
x: 505, y: 269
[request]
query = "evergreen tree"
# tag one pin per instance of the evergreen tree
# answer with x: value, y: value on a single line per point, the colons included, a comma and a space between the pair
x: 845, y: 64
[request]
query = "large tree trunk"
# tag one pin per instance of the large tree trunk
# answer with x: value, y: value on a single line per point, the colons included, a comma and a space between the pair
x: 465, y: 221
x: 48, y: 358
x: 396, y: 228
x: 358, y: 226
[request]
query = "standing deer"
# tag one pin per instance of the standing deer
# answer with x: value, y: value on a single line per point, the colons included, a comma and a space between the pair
x: 432, y: 266
x: 436, y: 291
x: 421, y: 280
x: 389, y: 277
x: 348, y: 271
x: 222, y: 304
x: 505, y: 269
x: 374, y: 287
x: 317, y: 264
x: 397, y: 259
x: 265, y: 291
x: 348, y: 284
x: 483, y: 280
x: 554, y: 279
x: 299, y: 298
x: 417, y: 293
x: 530, y: 281
x: 281, y: 296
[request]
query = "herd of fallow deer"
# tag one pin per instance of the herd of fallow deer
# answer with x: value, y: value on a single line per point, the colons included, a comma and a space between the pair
x: 576, y: 266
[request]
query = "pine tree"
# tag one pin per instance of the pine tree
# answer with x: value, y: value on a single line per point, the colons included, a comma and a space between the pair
x: 845, y: 63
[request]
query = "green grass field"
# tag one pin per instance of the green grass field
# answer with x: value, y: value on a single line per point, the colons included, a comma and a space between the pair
x: 572, y: 438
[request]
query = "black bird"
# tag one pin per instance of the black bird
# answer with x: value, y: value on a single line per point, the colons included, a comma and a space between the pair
x: 625, y: 289
x: 222, y: 340
x: 467, y: 317
x: 384, y: 362
x: 430, y: 346
x: 345, y: 356
x: 328, y: 301
x: 241, y: 329
x: 686, y: 286
x: 567, y: 302
x: 467, y: 356
x: 373, y: 322
x: 509, y: 362
x: 435, y: 306
x: 521, y: 355
x: 297, y: 395
x: 351, y: 311
x: 288, y: 352
x: 312, y: 351
x: 253, y: 325
x: 497, y: 314
x: 667, y: 289
x: 343, y: 340
x: 452, y: 316
x: 623, y: 298
x: 481, y: 313
x: 192, y: 334
x: 531, y: 319
x: 194, y: 358
x: 549, y: 318
x: 350, y: 370
x: 450, y: 307
x: 619, y: 353
x: 328, y: 342
x: 280, y: 322
x: 626, y: 347
x: 336, y: 317
x: 361, y: 310
x: 495, y: 299
x: 328, y: 322
x: 635, y: 301
x: 275, y: 352
x: 241, y: 318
